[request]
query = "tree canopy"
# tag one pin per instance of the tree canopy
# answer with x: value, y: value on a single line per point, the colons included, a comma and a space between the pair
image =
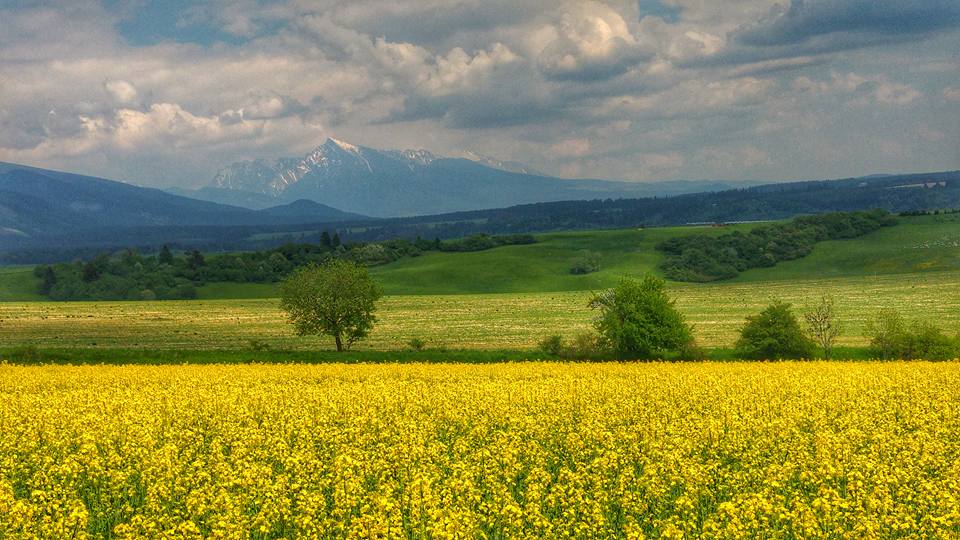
x: 337, y: 298
x: 774, y: 334
x: 638, y: 320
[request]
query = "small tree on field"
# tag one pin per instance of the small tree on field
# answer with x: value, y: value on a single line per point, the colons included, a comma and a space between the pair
x: 774, y: 333
x: 888, y: 333
x: 337, y: 298
x: 638, y: 320
x: 823, y: 326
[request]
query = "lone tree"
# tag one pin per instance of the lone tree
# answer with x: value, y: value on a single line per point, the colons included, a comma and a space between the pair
x: 638, y: 320
x: 823, y: 325
x: 337, y: 298
x: 774, y: 334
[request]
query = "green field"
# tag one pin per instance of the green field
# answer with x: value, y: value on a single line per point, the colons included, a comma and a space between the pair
x: 479, y: 321
x: 508, y: 298
x: 916, y: 245
x: 18, y: 284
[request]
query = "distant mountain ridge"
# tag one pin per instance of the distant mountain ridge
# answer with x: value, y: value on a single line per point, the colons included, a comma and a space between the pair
x: 392, y: 183
x: 65, y: 226
x: 36, y: 201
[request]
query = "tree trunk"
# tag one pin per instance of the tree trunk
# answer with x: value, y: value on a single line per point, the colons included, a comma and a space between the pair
x: 339, y: 342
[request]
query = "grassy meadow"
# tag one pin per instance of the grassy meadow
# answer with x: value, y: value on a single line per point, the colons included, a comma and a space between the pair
x: 509, y: 298
x: 476, y: 321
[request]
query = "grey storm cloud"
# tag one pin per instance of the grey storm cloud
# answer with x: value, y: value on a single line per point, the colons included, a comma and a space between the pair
x: 892, y: 19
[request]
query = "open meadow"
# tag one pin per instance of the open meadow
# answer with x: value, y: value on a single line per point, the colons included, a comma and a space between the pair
x: 477, y: 321
x: 534, y: 450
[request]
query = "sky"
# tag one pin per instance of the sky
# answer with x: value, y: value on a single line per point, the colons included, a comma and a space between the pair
x: 166, y: 93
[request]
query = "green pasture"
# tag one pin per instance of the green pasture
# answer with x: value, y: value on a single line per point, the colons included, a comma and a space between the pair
x: 503, y: 321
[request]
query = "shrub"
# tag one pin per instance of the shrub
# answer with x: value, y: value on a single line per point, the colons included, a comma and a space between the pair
x: 691, y: 351
x: 552, y: 345
x: 586, y: 263
x: 585, y: 345
x: 774, y: 334
x: 638, y: 320
x: 258, y: 346
x: 893, y: 338
x: 888, y: 334
x: 417, y: 344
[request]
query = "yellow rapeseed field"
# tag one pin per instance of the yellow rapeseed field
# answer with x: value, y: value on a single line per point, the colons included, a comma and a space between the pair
x: 539, y: 450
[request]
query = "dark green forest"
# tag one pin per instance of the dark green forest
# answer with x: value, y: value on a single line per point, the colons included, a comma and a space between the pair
x: 701, y: 258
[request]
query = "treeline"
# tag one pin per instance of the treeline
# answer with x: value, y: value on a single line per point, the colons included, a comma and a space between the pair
x: 129, y: 275
x: 702, y: 258
x: 938, y: 212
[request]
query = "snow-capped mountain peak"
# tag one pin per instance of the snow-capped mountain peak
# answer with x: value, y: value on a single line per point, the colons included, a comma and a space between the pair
x: 389, y: 182
x: 509, y: 166
x: 345, y: 146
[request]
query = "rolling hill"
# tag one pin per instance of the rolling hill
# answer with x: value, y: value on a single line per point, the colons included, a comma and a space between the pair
x: 40, y: 202
x: 918, y: 244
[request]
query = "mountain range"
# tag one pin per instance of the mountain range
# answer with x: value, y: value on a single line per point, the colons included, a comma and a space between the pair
x: 392, y: 183
x: 51, y: 215
x: 38, y: 201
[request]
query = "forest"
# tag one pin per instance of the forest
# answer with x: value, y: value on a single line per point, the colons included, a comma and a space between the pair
x: 701, y: 257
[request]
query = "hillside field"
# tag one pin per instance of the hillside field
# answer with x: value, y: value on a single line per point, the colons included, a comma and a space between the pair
x: 918, y: 244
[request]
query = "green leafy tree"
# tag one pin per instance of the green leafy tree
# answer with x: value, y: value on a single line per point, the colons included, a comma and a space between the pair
x: 774, y: 334
x: 823, y: 325
x: 337, y: 298
x: 638, y: 320
x: 195, y: 260
x: 165, y: 257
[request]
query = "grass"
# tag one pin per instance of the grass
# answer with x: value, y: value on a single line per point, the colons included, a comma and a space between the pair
x: 923, y: 244
x: 499, y: 304
x: 457, y: 322
x: 18, y: 284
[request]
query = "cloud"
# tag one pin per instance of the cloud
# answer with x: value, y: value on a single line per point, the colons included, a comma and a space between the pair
x: 805, y: 20
x: 864, y: 90
x: 608, y: 88
x: 572, y: 148
x: 592, y: 42
x: 121, y: 91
